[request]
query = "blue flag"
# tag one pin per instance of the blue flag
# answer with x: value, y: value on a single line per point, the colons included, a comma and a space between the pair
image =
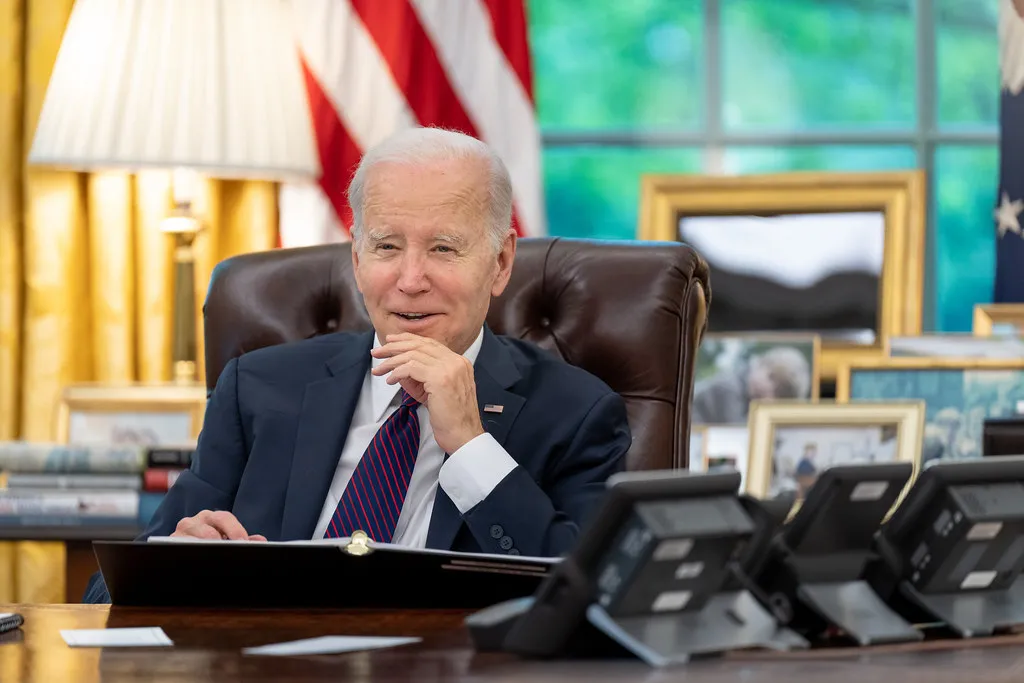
x: 1009, y: 283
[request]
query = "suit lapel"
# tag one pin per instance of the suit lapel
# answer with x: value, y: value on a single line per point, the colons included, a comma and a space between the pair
x: 494, y: 371
x: 327, y: 408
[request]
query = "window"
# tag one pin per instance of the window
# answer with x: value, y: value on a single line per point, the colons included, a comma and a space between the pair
x: 759, y: 86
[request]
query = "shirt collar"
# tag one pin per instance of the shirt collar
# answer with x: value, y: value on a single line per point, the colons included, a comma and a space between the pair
x: 383, y: 393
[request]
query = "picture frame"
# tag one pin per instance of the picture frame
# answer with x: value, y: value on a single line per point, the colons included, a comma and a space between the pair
x: 954, y: 345
x: 733, y: 368
x: 841, y: 433
x: 145, y: 414
x: 959, y: 394
x: 725, y: 445
x: 898, y: 196
x: 993, y: 320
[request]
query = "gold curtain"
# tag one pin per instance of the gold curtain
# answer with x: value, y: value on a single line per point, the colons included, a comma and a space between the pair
x: 85, y: 273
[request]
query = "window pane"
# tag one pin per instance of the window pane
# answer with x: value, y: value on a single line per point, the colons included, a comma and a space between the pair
x: 967, y: 45
x: 819, y: 158
x: 595, y: 191
x: 796, y: 64
x: 966, y: 182
x: 617, y: 64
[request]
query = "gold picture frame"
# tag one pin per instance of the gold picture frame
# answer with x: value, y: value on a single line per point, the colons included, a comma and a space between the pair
x: 899, y: 195
x: 918, y: 363
x: 148, y: 414
x: 954, y: 430
x: 988, y: 316
x: 766, y: 417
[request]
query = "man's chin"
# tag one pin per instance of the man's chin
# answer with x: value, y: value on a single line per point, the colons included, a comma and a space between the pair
x: 429, y: 327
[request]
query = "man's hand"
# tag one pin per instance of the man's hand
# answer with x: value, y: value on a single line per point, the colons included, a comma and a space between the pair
x: 440, y: 379
x: 216, y: 526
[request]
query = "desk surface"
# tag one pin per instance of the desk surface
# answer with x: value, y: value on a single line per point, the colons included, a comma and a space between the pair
x: 207, y: 648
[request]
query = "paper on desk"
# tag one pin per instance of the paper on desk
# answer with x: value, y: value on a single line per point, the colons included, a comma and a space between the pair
x: 373, y: 544
x: 327, y: 645
x: 116, y: 637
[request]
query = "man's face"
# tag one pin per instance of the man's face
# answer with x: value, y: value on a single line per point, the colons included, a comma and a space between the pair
x: 425, y: 263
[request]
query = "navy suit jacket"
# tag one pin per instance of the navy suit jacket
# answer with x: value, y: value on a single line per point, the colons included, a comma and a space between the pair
x: 277, y: 420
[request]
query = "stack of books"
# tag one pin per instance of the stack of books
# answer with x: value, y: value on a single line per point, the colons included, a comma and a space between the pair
x: 46, y: 485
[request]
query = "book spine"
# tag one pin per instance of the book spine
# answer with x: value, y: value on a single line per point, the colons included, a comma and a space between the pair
x: 131, y: 482
x: 169, y: 456
x: 160, y: 479
x: 20, y: 456
x: 69, y: 503
x: 66, y: 520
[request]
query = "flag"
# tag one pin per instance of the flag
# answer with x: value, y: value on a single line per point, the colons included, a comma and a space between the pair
x: 375, y: 67
x: 1009, y: 280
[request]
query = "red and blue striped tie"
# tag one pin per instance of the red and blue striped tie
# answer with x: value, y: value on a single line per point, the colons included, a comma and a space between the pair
x: 374, y: 496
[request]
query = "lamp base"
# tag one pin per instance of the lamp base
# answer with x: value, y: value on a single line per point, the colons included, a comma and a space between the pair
x: 184, y: 372
x: 184, y: 227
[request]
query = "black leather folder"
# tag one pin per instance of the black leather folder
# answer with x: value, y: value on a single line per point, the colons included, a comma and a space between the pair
x: 280, y: 575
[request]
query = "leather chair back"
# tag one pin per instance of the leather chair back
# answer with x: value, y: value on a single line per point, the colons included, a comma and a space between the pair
x: 631, y: 313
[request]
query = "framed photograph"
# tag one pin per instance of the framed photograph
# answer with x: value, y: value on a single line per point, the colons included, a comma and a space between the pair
x: 998, y: 320
x: 131, y: 414
x: 835, y: 254
x: 959, y: 393
x: 954, y: 346
x: 722, y: 447
x: 733, y: 370
x: 791, y: 443
x: 695, y: 455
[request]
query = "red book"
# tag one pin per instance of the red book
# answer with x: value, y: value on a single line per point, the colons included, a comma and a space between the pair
x: 159, y: 479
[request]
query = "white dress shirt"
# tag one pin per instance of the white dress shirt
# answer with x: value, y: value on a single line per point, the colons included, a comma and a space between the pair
x: 468, y: 475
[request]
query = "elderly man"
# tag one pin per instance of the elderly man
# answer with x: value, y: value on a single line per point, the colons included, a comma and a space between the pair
x: 429, y: 431
x: 780, y: 372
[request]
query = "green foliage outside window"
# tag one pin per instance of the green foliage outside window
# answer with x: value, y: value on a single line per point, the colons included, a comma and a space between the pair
x: 636, y: 69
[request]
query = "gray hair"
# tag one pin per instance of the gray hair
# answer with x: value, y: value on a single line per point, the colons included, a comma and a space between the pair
x: 415, y: 146
x: 788, y: 370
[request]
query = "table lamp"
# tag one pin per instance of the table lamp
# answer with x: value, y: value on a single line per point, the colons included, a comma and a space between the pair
x: 210, y: 87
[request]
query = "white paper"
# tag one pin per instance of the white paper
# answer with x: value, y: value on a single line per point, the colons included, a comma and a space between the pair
x: 222, y: 541
x: 116, y: 637
x: 373, y: 544
x: 327, y: 645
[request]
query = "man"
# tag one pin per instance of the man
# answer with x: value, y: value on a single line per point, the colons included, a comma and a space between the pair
x: 780, y: 372
x: 806, y: 469
x: 429, y: 431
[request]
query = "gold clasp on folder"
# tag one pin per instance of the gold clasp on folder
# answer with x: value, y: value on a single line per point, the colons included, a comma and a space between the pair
x: 359, y: 544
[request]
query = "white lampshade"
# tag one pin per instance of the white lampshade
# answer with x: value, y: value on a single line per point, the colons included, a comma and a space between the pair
x: 213, y: 85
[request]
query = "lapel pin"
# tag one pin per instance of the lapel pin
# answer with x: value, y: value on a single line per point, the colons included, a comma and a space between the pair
x: 491, y: 408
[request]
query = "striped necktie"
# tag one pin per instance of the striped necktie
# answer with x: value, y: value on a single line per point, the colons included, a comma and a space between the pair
x: 374, y: 496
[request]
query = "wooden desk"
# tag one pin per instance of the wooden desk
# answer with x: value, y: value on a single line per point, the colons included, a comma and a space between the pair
x: 207, y: 645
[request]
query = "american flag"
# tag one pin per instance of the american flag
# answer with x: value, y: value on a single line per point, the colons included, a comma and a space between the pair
x: 374, y: 67
x: 1009, y: 281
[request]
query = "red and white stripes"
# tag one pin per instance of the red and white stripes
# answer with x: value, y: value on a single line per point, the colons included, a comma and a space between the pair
x: 374, y: 67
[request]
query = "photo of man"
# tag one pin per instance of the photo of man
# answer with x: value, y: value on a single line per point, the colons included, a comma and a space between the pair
x: 733, y: 371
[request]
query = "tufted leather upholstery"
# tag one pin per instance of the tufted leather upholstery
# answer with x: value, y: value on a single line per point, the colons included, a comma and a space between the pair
x: 631, y: 313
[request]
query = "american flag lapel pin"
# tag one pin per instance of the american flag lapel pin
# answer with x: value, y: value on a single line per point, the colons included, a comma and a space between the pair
x: 493, y: 408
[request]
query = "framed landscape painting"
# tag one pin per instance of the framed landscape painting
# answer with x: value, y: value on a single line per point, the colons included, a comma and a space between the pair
x: 840, y: 255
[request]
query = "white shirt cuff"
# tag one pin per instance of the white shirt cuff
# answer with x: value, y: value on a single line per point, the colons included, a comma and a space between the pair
x: 472, y: 472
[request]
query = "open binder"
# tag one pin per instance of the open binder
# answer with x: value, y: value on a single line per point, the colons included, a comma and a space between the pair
x: 339, y: 573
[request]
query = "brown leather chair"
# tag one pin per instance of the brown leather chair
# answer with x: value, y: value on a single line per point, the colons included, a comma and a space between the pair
x: 630, y: 313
